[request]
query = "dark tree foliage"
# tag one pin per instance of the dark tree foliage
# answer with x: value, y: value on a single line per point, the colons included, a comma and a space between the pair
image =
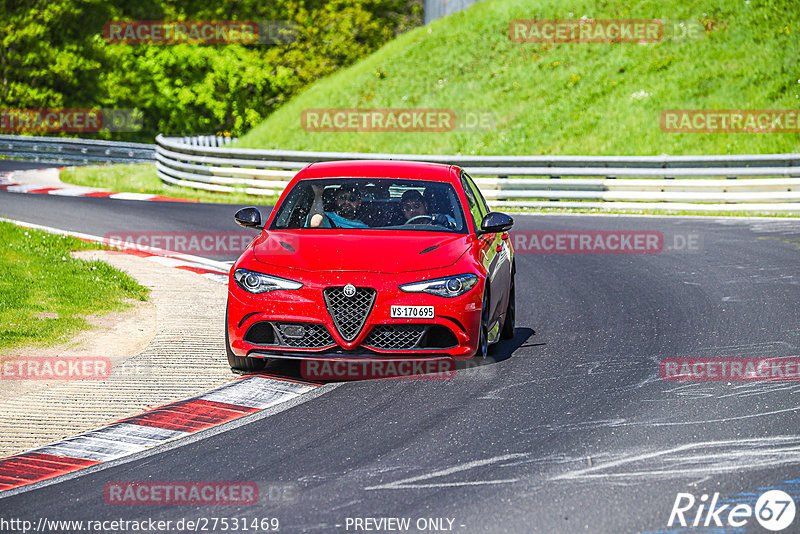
x: 54, y: 55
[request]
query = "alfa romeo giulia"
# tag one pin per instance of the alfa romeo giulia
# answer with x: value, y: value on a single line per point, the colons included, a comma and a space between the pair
x: 372, y: 259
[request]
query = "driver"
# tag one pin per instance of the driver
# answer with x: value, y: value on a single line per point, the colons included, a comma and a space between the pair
x: 415, y: 210
x: 347, y: 200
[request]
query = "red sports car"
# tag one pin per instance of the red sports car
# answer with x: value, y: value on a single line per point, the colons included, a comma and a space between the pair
x: 372, y: 259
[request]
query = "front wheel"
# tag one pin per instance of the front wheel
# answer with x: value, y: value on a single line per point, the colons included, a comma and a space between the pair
x: 241, y: 363
x: 511, y: 313
x: 483, y: 337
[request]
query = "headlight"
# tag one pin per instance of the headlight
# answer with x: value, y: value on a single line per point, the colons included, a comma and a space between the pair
x: 451, y: 286
x: 254, y: 282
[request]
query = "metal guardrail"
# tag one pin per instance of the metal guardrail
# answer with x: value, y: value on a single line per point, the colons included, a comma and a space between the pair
x: 74, y: 151
x: 757, y: 182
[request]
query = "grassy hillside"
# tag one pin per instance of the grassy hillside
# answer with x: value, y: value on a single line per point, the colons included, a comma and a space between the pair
x: 572, y: 98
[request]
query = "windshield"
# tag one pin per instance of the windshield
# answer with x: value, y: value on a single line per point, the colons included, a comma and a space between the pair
x: 371, y: 203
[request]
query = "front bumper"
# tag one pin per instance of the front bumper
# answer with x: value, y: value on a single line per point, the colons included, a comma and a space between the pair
x: 452, y: 332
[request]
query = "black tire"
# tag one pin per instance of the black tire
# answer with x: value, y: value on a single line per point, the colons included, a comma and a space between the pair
x: 483, y: 338
x: 511, y: 312
x: 241, y: 363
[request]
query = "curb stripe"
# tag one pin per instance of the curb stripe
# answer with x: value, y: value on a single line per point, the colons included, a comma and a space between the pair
x: 45, y: 190
x: 68, y: 192
x: 32, y: 467
x: 130, y: 252
x: 259, y: 395
x: 217, y: 277
x: 190, y: 415
x: 197, y: 270
x: 114, y: 441
x: 86, y: 192
x: 21, y: 188
x: 234, y: 400
x: 161, y: 198
x: 132, y: 196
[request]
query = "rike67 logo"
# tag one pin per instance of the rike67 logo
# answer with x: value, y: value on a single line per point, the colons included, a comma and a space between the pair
x: 774, y: 510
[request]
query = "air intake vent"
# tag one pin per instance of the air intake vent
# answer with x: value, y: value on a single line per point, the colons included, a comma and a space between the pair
x: 260, y: 333
x: 395, y: 336
x: 303, y: 335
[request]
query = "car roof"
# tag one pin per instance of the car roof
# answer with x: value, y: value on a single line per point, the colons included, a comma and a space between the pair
x: 416, y: 170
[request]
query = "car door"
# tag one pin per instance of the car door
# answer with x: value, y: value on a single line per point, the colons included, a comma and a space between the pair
x: 496, y: 256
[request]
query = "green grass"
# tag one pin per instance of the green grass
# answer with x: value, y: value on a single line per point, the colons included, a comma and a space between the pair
x: 142, y: 178
x: 38, y: 276
x: 572, y: 98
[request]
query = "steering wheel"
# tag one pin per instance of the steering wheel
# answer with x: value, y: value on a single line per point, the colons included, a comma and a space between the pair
x: 412, y: 219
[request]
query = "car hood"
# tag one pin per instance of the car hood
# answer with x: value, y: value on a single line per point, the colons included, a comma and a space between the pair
x: 380, y: 253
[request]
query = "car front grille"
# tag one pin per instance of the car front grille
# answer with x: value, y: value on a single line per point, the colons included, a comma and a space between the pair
x: 395, y: 336
x: 303, y: 335
x: 349, y: 313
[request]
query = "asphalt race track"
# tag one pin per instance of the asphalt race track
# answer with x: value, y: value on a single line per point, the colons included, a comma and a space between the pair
x: 570, y: 430
x: 8, y: 165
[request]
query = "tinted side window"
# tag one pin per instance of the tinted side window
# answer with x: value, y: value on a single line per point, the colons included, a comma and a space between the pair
x: 474, y: 209
x: 478, y: 196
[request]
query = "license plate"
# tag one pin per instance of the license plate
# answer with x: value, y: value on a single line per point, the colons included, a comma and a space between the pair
x: 412, y: 312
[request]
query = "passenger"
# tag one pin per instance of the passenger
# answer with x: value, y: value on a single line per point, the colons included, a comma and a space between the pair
x: 347, y: 203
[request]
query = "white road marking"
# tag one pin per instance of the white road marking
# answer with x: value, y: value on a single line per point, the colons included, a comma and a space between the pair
x: 409, y: 483
x: 724, y: 456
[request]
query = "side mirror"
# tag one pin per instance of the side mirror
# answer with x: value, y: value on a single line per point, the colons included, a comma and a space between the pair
x: 249, y: 217
x: 495, y: 222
